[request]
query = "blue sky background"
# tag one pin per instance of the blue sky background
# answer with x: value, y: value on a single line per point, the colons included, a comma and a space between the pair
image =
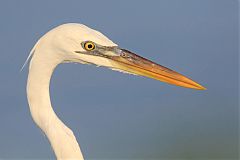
x: 116, y: 115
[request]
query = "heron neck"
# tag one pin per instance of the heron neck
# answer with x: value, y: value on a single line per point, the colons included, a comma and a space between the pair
x: 59, y: 135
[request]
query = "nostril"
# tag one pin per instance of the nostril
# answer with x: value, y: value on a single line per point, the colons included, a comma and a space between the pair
x: 124, y: 54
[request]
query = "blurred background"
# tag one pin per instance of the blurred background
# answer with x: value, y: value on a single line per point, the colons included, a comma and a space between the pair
x: 120, y: 116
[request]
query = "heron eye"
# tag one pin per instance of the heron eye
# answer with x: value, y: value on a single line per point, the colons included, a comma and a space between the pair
x: 89, y: 46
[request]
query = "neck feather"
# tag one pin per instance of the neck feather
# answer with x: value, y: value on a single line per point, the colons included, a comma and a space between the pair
x: 59, y: 135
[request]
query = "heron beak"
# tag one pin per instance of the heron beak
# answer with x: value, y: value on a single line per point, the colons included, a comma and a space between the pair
x: 135, y: 64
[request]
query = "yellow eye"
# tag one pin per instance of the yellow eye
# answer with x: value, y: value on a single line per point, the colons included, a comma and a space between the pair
x: 89, y: 46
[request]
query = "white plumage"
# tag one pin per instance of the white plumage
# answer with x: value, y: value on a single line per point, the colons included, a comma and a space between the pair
x: 68, y: 43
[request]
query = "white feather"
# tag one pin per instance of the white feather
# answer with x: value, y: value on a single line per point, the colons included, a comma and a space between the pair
x: 119, y: 70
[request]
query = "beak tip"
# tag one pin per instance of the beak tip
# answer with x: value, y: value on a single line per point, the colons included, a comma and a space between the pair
x: 201, y: 88
x: 204, y: 88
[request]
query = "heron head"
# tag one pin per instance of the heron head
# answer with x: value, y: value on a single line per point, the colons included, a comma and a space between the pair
x: 81, y: 44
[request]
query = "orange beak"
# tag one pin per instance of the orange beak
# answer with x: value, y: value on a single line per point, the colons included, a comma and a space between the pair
x: 130, y: 62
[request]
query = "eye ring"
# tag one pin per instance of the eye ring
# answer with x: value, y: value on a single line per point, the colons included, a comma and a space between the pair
x: 89, y: 46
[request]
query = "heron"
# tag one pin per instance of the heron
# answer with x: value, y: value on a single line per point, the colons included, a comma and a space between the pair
x: 77, y: 43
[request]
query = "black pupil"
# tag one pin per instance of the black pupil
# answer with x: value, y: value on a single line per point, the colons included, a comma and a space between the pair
x: 90, y: 46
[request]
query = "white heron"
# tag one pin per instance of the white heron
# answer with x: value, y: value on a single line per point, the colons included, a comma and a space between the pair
x: 79, y: 43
